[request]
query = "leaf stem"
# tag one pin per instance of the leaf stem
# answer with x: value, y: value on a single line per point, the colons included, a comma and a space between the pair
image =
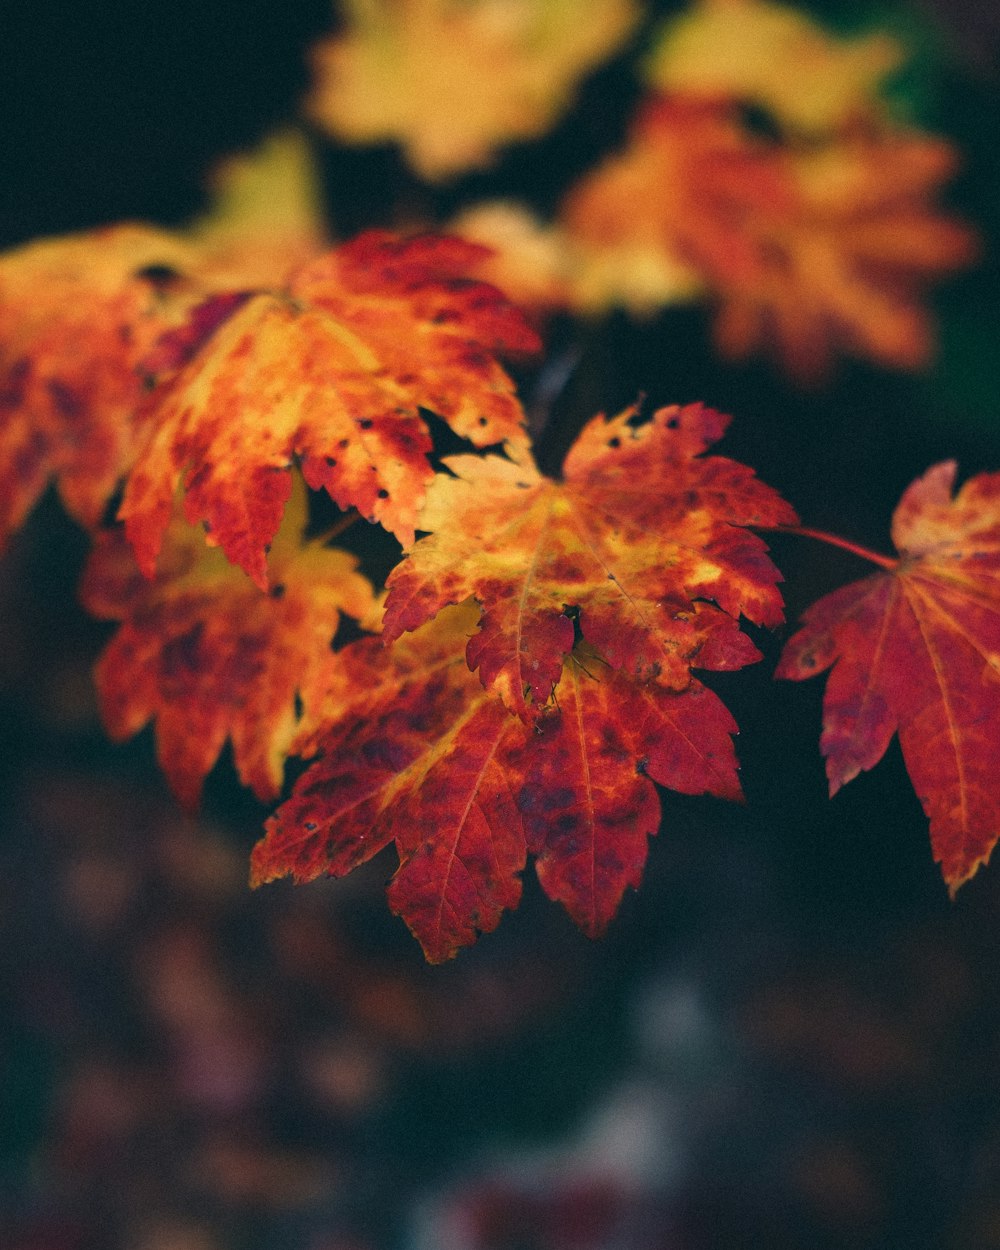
x: 834, y: 540
x: 338, y: 528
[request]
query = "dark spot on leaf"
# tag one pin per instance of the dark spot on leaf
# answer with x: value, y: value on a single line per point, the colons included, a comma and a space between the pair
x: 365, y: 423
x: 614, y: 442
x: 277, y: 592
x: 66, y: 401
x: 158, y: 275
x: 383, y: 494
x: 760, y: 122
x: 331, y: 462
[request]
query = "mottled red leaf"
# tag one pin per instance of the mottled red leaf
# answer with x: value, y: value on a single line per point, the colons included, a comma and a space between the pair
x: 638, y: 534
x: 207, y: 655
x: 916, y: 650
x: 414, y: 751
x: 330, y: 371
x: 587, y: 801
x: 418, y: 755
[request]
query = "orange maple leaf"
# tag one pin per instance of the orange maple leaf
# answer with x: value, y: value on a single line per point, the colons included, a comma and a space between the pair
x: 807, y: 249
x: 414, y: 751
x: 77, y: 314
x: 332, y: 371
x: 916, y: 650
x: 639, y: 532
x: 80, y: 314
x: 207, y: 655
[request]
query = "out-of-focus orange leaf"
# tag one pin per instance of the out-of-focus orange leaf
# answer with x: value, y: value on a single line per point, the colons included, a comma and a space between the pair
x: 80, y: 314
x: 413, y: 750
x: 916, y: 650
x: 77, y: 314
x: 776, y: 57
x: 331, y: 370
x: 808, y: 250
x: 207, y: 655
x: 452, y: 80
x: 639, y: 528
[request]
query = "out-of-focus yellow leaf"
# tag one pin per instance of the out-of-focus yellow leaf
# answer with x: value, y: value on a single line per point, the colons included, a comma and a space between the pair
x: 776, y: 57
x: 267, y: 214
x: 452, y: 80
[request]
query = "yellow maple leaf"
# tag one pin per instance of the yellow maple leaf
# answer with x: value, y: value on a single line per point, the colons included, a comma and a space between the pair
x: 774, y: 56
x: 266, y: 215
x: 452, y: 80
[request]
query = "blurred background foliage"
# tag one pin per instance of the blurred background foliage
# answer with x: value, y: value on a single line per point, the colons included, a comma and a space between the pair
x: 790, y: 1038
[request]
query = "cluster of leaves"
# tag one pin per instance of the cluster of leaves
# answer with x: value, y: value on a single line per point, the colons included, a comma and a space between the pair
x: 530, y: 672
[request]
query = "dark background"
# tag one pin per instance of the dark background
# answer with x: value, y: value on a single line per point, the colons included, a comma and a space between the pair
x: 790, y: 1037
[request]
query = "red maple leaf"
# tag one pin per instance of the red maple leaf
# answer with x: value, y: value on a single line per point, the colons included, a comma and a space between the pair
x: 414, y: 751
x: 330, y: 371
x: 916, y: 650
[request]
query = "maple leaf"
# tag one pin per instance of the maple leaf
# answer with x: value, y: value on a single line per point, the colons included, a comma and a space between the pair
x: 637, y: 531
x: 332, y: 371
x: 807, y: 249
x: 80, y: 315
x: 208, y: 656
x: 452, y: 80
x: 586, y: 798
x: 915, y: 650
x: 547, y: 266
x: 414, y: 751
x: 77, y: 314
x: 774, y: 56
x: 266, y: 216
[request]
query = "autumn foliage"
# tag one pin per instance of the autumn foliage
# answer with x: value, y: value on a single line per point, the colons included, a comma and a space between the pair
x: 530, y: 674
